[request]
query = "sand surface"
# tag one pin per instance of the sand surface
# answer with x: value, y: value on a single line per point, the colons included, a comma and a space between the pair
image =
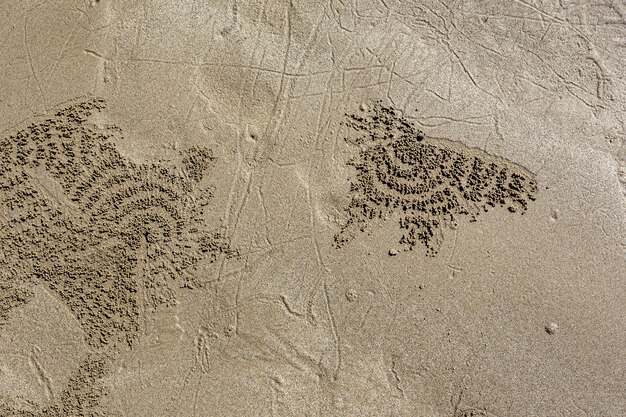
x: 312, y: 208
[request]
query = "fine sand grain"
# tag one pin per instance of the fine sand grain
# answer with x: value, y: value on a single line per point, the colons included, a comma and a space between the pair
x: 312, y: 208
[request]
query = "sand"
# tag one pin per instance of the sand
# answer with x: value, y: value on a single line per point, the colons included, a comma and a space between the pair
x: 305, y: 208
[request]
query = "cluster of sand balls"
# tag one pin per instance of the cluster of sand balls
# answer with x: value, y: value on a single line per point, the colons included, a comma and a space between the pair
x: 107, y: 235
x: 428, y: 182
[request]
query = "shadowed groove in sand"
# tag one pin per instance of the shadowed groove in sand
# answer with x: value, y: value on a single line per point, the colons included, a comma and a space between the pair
x: 109, y: 236
x: 428, y: 182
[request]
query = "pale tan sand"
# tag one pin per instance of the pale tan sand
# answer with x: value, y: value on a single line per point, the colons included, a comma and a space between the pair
x: 307, y: 208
